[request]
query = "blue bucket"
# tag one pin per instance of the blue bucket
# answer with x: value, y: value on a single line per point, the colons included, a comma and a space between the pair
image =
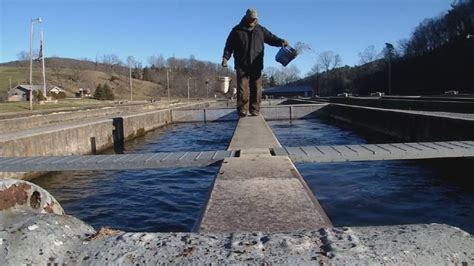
x: 285, y: 55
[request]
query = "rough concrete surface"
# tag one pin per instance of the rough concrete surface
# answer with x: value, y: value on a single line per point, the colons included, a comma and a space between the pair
x: 32, y: 238
x: 30, y: 234
x: 253, y: 132
x: 261, y: 193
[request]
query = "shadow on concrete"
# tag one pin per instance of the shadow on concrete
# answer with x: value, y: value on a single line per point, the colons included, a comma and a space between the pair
x: 233, y: 116
x: 323, y: 112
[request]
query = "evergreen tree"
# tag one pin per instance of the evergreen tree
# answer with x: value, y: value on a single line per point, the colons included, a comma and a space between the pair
x: 108, y: 93
x: 99, y: 93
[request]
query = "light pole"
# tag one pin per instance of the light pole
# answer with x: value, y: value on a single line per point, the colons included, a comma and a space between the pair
x: 390, y: 49
x: 130, y: 62
x: 189, y: 78
x: 31, y: 59
x: 168, y: 84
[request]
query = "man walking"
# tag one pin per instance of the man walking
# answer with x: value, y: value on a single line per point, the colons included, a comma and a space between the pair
x: 246, y: 42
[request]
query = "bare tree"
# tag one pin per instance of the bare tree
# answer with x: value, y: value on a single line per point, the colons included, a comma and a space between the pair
x: 291, y: 74
x: 270, y: 71
x: 192, y: 63
x: 283, y: 75
x: 402, y: 47
x: 131, y: 62
x: 328, y: 60
x: 314, y: 70
x: 157, y: 60
x: 325, y: 60
x: 112, y: 61
x: 172, y: 63
x: 337, y: 61
x: 23, y: 56
x: 368, y: 55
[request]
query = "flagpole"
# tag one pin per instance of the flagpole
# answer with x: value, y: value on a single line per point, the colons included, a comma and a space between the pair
x: 42, y: 60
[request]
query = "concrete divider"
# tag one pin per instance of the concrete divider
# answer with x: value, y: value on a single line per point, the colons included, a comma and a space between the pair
x: 280, y: 112
x: 85, y: 137
x: 38, y: 120
x: 403, y: 125
x: 460, y: 105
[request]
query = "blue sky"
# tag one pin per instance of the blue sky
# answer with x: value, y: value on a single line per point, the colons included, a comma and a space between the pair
x: 86, y: 28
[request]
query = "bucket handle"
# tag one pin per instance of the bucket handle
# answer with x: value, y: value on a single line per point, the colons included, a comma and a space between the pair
x: 227, y: 68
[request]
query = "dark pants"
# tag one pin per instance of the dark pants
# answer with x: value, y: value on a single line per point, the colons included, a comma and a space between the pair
x: 249, y: 90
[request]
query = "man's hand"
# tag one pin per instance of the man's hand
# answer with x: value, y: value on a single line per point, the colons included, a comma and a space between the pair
x: 224, y: 62
x: 284, y: 43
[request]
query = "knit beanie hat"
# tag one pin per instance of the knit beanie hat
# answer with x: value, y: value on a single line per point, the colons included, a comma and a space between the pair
x: 251, y: 13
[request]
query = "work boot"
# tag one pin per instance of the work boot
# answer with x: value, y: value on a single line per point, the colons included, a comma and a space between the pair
x: 255, y: 113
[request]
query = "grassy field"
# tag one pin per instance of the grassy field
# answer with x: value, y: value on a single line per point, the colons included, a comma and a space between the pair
x: 65, y: 103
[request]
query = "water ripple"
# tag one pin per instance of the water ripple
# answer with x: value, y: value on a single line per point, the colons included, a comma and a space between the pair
x: 382, y: 192
x: 145, y: 200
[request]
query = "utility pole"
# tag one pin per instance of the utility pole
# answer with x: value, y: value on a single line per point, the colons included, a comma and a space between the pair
x: 168, y: 84
x: 31, y: 65
x: 131, y: 87
x: 188, y: 87
x: 31, y: 60
x: 390, y: 50
x: 390, y: 76
x: 10, y: 81
x: 130, y: 61
x: 207, y: 88
x: 42, y: 59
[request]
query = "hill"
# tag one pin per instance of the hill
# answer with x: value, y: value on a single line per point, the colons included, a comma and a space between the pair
x: 185, y: 76
x: 73, y: 74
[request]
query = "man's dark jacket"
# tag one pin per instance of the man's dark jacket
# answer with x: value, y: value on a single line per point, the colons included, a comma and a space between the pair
x: 248, y: 45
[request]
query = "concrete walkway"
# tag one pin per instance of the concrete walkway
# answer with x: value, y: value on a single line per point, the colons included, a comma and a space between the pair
x: 260, y: 192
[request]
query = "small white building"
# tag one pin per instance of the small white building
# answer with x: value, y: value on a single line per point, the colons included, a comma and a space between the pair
x: 56, y: 90
x: 22, y: 92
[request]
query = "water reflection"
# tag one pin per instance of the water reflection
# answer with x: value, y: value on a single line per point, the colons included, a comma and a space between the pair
x: 382, y: 192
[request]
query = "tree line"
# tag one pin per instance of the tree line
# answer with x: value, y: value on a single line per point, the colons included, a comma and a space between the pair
x: 437, y: 57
